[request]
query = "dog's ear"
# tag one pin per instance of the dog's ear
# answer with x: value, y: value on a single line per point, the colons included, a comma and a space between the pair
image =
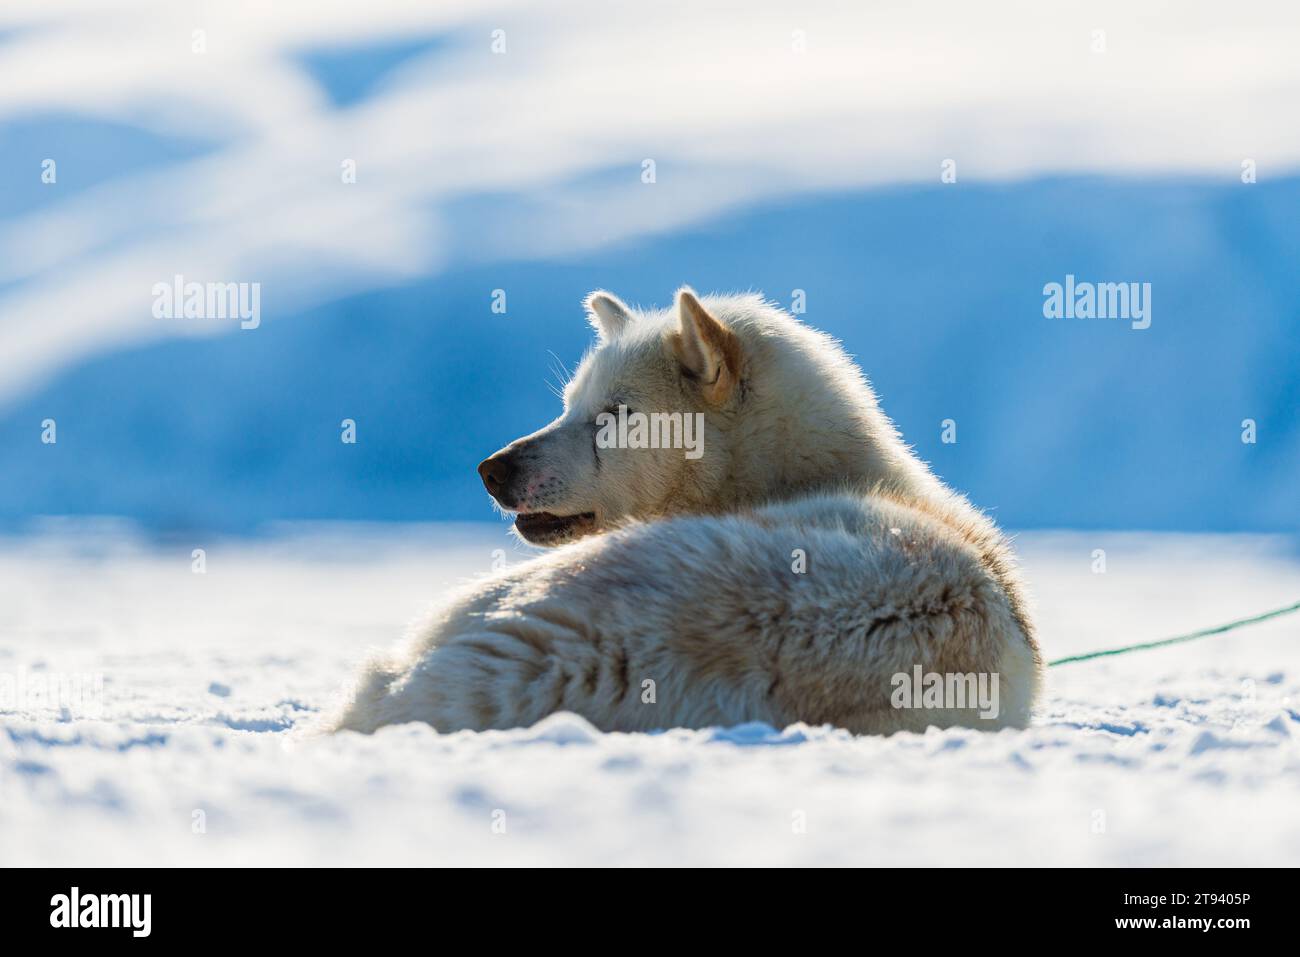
x: 607, y: 314
x: 708, y: 351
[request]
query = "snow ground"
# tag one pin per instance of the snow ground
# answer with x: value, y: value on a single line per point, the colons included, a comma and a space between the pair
x: 1184, y: 755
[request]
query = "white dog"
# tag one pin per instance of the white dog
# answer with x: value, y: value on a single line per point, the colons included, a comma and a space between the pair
x: 744, y: 537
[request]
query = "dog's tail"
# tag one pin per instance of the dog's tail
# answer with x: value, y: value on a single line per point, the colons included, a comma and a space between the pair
x: 361, y: 707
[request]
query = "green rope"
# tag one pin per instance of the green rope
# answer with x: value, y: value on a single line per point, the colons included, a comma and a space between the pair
x: 1203, y: 633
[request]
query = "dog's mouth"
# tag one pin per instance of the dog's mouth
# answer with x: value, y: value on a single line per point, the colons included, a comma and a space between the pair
x: 544, y: 528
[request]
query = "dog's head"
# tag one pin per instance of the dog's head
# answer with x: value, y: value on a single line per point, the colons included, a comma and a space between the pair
x: 643, y: 428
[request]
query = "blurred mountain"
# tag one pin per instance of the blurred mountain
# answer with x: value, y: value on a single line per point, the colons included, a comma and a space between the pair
x: 114, y: 150
x: 937, y: 291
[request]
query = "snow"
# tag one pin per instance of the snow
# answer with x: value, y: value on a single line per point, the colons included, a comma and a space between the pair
x: 1183, y: 755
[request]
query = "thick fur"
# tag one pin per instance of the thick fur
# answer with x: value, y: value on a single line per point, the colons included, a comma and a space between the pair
x: 682, y: 586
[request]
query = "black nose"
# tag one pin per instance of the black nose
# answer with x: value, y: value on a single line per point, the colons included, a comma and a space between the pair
x: 497, y: 471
